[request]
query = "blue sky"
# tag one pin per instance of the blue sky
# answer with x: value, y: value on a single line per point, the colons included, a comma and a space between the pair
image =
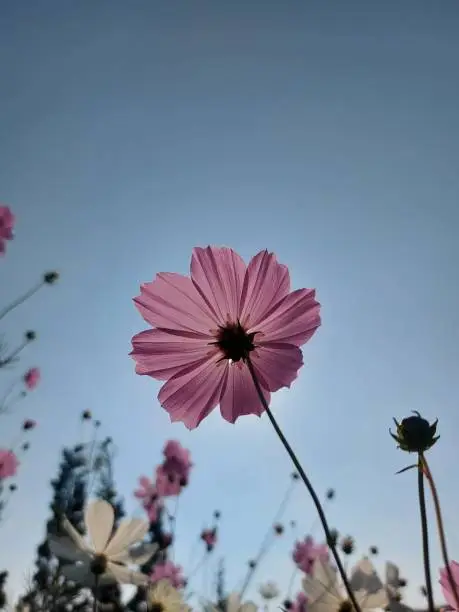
x: 326, y: 132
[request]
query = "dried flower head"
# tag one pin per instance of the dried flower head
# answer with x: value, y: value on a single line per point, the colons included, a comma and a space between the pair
x: 50, y: 277
x: 30, y: 335
x: 373, y: 550
x: 217, y: 515
x: 415, y: 434
x: 348, y: 545
x: 295, y: 476
x: 252, y: 564
x: 86, y: 415
x: 330, y: 494
x: 29, y: 424
x: 278, y: 529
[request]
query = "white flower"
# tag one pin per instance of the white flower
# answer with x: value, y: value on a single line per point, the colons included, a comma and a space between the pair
x: 392, y: 579
x: 163, y: 597
x: 233, y: 604
x: 326, y: 595
x: 269, y: 590
x: 107, y: 555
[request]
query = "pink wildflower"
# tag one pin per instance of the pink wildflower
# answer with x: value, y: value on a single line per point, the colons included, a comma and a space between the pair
x: 8, y: 464
x: 167, y: 483
x: 300, y: 604
x: 148, y: 494
x: 32, y: 378
x: 6, y: 227
x: 446, y: 586
x: 209, y: 536
x: 168, y: 571
x: 306, y: 552
x: 207, y: 327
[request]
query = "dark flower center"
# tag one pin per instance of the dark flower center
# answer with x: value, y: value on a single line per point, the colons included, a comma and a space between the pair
x: 345, y: 606
x: 99, y: 565
x: 234, y: 342
x: 156, y: 607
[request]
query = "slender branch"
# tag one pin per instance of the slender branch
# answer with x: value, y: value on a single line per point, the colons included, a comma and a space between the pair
x: 310, y: 488
x: 441, y: 530
x: 20, y: 300
x: 425, y: 535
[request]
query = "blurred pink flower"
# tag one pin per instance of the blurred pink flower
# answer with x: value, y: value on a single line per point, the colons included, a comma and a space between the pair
x: 8, y: 464
x: 446, y: 586
x: 32, y: 378
x: 6, y: 227
x: 148, y: 494
x: 300, y: 604
x: 209, y: 536
x: 167, y: 482
x: 208, y: 325
x: 306, y: 551
x: 168, y: 571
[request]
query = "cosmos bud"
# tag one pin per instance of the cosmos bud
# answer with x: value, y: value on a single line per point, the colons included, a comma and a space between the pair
x: 86, y: 415
x: 29, y: 424
x: 330, y: 494
x: 279, y: 529
x: 252, y: 564
x: 415, y: 434
x: 333, y: 539
x: 287, y: 604
x: 217, y: 514
x: 373, y: 550
x: 295, y: 476
x: 50, y: 277
x: 30, y: 335
x: 347, y: 545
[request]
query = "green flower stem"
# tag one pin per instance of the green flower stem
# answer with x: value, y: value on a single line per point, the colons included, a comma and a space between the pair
x: 425, y: 534
x: 20, y: 300
x: 309, y: 487
x: 441, y: 530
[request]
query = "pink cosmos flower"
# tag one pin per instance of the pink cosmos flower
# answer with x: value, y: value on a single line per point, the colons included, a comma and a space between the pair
x: 209, y: 536
x: 32, y: 378
x: 9, y: 464
x: 167, y: 483
x: 206, y: 327
x: 177, y: 458
x: 306, y: 552
x: 300, y: 604
x: 446, y: 586
x: 168, y: 571
x: 6, y: 227
x: 148, y: 494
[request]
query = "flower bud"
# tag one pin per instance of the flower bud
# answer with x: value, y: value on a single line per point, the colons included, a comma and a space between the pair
x: 30, y: 335
x: 50, y: 277
x: 415, y: 434
x: 347, y: 545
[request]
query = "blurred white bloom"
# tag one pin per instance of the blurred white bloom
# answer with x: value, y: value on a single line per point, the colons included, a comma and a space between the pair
x: 106, y: 557
x: 392, y: 579
x: 233, y: 604
x: 326, y: 595
x: 163, y: 597
x: 269, y: 590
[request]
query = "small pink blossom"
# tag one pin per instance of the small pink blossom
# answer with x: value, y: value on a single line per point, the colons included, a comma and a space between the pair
x: 209, y: 536
x: 9, y: 464
x: 306, y: 552
x: 168, y: 483
x: 32, y: 378
x: 207, y: 326
x: 148, y: 494
x: 300, y: 604
x: 168, y: 571
x: 446, y: 586
x: 6, y: 227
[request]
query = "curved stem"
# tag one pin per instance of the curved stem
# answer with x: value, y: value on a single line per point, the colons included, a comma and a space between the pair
x: 310, y: 488
x: 425, y: 534
x: 441, y: 530
x: 20, y: 300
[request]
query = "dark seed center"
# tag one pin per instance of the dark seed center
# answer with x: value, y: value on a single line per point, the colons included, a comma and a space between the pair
x: 345, y: 606
x: 156, y: 607
x: 99, y: 565
x: 234, y: 342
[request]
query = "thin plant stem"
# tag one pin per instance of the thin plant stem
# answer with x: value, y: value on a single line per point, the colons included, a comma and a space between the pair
x: 310, y: 488
x: 291, y: 581
x: 173, y: 524
x: 425, y: 535
x: 14, y: 354
x: 440, y: 526
x: 268, y: 539
x: 21, y: 299
x: 96, y: 591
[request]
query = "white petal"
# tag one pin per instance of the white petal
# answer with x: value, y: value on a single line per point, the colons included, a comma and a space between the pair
x: 146, y: 551
x: 128, y: 533
x: 323, y: 585
x: 249, y: 606
x: 66, y: 549
x: 75, y: 535
x: 371, y: 601
x: 392, y: 575
x: 124, y: 575
x: 233, y: 602
x: 364, y: 577
x: 99, y: 518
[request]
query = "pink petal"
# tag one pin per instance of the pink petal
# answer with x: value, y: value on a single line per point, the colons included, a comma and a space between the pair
x: 240, y: 396
x: 163, y: 354
x: 190, y: 395
x: 292, y: 320
x: 172, y: 302
x: 266, y: 282
x: 277, y: 363
x: 218, y: 274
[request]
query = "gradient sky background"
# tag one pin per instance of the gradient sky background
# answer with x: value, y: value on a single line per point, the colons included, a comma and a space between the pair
x: 324, y: 131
